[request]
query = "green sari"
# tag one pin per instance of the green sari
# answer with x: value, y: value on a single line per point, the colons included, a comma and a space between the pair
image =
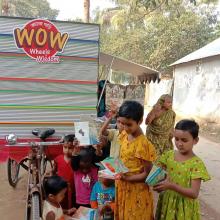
x: 159, y: 131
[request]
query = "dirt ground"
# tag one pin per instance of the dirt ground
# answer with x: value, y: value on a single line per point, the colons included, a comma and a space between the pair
x: 12, y: 200
x: 210, y: 130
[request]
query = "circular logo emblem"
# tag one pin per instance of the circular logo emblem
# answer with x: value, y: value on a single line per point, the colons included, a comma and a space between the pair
x: 41, y: 40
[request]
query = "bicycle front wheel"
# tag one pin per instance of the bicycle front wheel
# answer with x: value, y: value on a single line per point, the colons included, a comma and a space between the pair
x: 35, y: 206
x: 13, y: 171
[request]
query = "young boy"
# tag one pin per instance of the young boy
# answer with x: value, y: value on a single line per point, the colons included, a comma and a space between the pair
x: 103, y: 195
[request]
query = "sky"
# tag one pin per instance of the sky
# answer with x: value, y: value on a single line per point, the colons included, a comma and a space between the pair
x: 71, y: 9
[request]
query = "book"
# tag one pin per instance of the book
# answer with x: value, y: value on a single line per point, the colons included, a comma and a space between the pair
x: 82, y: 132
x: 86, y: 133
x: 83, y: 213
x: 111, y: 167
x: 107, y: 174
x: 156, y: 175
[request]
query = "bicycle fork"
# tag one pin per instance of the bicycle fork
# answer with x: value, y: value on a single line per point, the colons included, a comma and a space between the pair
x: 34, y: 192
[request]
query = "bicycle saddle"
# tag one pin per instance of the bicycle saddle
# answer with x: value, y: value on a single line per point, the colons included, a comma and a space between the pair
x: 43, y: 133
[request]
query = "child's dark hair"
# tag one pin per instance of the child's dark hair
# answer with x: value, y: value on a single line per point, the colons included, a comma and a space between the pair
x: 188, y: 125
x: 132, y: 110
x: 69, y: 138
x: 85, y: 154
x: 53, y: 185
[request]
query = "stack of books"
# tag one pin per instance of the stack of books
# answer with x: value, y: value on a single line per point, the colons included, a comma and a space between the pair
x: 156, y: 175
x: 111, y: 168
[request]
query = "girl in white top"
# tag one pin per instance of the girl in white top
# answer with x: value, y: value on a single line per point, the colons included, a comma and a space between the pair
x: 55, y: 188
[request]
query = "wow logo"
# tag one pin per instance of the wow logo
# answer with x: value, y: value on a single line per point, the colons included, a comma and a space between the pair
x: 41, y: 40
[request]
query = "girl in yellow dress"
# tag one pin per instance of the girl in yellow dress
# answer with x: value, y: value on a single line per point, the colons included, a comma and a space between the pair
x: 134, y: 200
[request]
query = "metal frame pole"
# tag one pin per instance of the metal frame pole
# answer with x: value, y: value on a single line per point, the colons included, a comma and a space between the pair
x: 103, y: 89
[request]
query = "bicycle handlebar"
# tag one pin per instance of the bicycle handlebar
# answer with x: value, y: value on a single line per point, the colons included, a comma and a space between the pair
x: 38, y: 143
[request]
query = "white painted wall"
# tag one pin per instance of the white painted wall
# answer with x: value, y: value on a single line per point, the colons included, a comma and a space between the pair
x: 155, y: 90
x: 197, y: 89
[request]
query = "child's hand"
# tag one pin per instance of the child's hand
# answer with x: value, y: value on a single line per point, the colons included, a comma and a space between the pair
x: 98, y: 149
x: 71, y: 211
x: 121, y: 176
x: 102, y: 141
x: 105, y: 208
x: 113, y: 109
x: 163, y: 185
x: 118, y: 176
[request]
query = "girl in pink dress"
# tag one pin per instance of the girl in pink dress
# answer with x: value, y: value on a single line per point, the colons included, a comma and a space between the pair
x: 85, y: 176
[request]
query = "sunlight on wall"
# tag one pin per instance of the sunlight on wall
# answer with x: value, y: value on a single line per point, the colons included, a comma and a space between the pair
x: 197, y: 89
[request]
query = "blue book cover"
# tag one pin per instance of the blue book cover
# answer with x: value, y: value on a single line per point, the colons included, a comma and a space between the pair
x: 156, y: 175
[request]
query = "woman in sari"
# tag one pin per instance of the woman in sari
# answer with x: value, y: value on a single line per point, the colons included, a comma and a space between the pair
x: 160, y: 122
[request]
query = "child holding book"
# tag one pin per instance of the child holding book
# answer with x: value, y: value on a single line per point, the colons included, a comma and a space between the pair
x: 63, y: 168
x: 112, y: 135
x: 134, y: 200
x: 103, y: 195
x: 85, y: 176
x: 179, y: 192
x: 55, y: 188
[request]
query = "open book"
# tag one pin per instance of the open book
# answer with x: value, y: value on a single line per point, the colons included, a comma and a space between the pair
x: 111, y: 167
x: 83, y: 213
x: 156, y: 175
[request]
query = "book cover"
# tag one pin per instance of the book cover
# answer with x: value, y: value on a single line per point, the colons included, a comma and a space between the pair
x: 112, y: 166
x: 107, y: 174
x: 156, y: 175
x: 82, y: 132
x: 83, y: 213
x: 86, y: 133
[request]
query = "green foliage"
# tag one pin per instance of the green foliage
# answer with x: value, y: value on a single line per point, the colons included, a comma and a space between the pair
x: 155, y: 3
x: 158, y: 36
x: 32, y: 9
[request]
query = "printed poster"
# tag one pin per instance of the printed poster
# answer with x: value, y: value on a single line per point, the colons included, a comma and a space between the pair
x: 117, y: 94
x: 114, y: 94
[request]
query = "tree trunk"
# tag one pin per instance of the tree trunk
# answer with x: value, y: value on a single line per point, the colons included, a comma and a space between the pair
x: 4, y: 8
x: 0, y: 7
x: 86, y: 10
